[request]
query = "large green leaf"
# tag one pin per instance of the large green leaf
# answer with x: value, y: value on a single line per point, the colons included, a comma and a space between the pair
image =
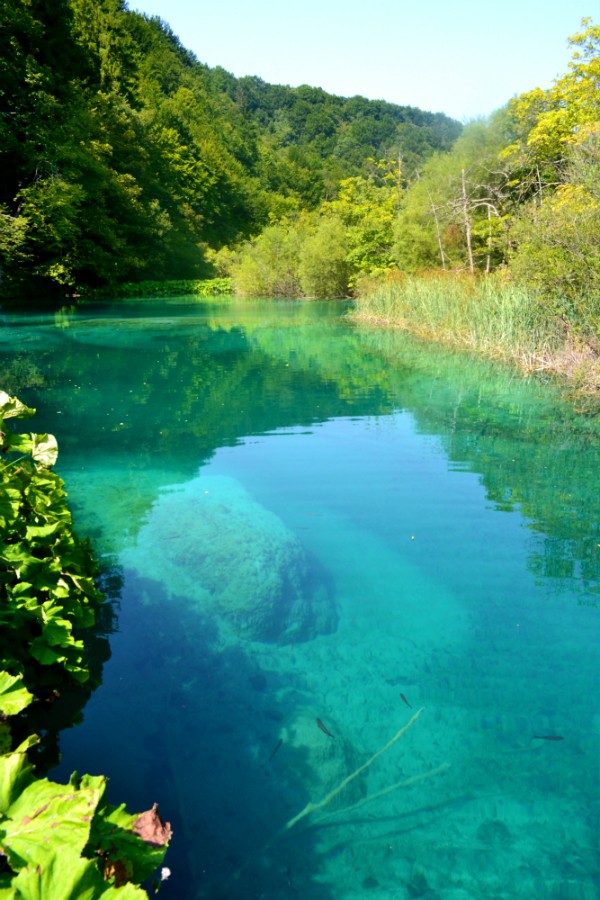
x: 46, y: 817
x: 15, y: 554
x: 10, y: 502
x: 44, y: 449
x: 64, y: 875
x: 44, y: 654
x: 15, y: 773
x: 13, y: 695
x: 34, y: 532
x: 57, y: 632
x: 11, y: 407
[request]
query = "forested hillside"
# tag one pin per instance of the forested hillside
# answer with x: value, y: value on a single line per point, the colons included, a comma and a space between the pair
x: 516, y: 199
x: 123, y: 157
x: 518, y: 190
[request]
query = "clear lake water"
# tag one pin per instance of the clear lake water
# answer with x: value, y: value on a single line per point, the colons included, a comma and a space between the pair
x: 314, y: 531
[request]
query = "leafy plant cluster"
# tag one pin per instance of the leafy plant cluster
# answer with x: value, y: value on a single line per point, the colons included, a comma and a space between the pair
x: 55, y: 840
x: 66, y: 841
x: 47, y: 582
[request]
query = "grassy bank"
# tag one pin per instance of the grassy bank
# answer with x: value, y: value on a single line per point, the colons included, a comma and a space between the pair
x: 488, y: 315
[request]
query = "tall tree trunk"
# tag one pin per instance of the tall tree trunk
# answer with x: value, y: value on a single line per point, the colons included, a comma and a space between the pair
x: 465, y: 207
x: 439, y: 237
x: 488, y: 261
x: 437, y: 231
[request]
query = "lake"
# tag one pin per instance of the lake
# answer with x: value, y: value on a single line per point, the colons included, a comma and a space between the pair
x: 313, y: 532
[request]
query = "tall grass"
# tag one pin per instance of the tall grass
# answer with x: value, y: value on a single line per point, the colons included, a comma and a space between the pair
x: 490, y: 315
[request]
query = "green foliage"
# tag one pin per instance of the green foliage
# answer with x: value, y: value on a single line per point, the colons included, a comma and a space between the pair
x: 323, y: 265
x: 335, y: 136
x: 367, y: 208
x: 123, y: 155
x: 57, y: 840
x: 453, y: 215
x: 208, y: 287
x: 66, y: 841
x: 13, y: 696
x: 556, y: 243
x: 558, y: 256
x: 323, y: 254
x: 47, y: 589
x: 268, y: 266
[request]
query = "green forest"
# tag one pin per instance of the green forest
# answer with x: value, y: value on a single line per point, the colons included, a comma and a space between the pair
x: 126, y: 161
x: 125, y: 158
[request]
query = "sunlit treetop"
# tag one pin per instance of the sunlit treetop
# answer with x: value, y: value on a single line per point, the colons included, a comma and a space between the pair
x: 569, y: 112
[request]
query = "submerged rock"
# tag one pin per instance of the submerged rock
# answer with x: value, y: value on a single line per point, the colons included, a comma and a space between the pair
x: 211, y: 542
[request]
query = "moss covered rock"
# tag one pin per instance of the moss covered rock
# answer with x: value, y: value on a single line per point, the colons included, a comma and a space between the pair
x: 209, y: 541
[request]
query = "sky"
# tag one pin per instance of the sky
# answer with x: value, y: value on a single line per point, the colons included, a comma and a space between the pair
x: 465, y: 58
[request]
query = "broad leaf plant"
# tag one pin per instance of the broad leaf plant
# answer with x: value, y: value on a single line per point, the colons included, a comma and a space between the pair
x: 62, y: 841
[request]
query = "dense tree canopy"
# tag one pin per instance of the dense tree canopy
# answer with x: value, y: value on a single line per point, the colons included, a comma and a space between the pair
x: 518, y: 191
x: 123, y: 157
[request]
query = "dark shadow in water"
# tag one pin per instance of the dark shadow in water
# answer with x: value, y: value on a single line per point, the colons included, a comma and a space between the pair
x: 199, y: 733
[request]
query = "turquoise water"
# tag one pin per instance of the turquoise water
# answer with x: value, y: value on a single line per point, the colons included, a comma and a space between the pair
x: 313, y: 522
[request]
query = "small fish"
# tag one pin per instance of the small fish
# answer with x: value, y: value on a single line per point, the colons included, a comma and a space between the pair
x: 275, y: 748
x: 548, y: 737
x: 325, y: 729
x: 406, y: 701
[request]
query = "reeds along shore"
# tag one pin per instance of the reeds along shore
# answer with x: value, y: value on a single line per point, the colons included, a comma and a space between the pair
x: 493, y: 315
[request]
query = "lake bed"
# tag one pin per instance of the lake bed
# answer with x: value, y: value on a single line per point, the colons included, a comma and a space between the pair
x: 319, y: 530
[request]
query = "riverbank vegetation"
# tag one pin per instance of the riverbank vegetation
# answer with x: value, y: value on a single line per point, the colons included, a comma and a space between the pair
x: 131, y: 168
x: 174, y: 287
x: 493, y: 245
x: 490, y: 315
x: 55, y: 839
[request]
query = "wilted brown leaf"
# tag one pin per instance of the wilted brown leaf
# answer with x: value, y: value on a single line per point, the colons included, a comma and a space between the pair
x: 151, y: 828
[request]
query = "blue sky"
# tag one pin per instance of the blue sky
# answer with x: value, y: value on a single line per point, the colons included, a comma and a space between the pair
x: 465, y: 58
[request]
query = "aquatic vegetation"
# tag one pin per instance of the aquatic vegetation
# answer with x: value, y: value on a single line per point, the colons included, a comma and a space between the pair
x: 47, y: 584
x: 57, y: 840
x: 491, y: 315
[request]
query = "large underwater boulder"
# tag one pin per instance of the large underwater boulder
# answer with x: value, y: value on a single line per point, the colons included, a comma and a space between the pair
x: 210, y: 542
